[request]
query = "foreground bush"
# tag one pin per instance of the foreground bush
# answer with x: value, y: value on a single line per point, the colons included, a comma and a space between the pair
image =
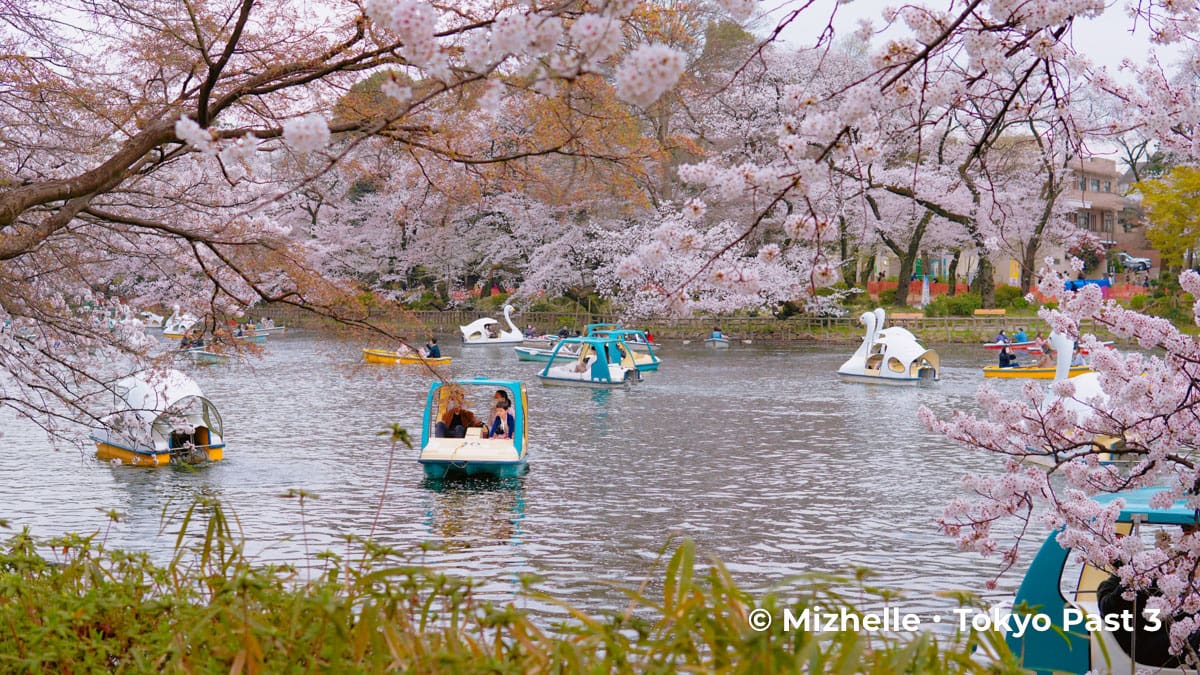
x: 70, y: 605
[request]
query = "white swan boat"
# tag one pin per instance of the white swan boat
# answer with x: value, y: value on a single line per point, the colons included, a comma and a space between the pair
x: 889, y: 356
x: 160, y: 418
x: 488, y: 331
x: 177, y: 325
x: 1089, y: 397
x: 152, y: 320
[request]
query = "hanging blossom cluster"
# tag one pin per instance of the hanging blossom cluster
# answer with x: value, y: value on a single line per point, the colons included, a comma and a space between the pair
x: 400, y: 93
x: 415, y: 23
x: 309, y: 133
x: 237, y: 156
x: 648, y: 72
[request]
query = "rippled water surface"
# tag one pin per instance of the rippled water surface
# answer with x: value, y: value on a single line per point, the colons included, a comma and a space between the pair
x: 758, y: 453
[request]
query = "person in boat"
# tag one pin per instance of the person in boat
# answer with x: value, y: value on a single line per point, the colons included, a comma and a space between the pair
x: 1020, y: 336
x: 1151, y: 640
x: 493, y: 331
x: 501, y: 396
x: 1039, y: 342
x: 403, y: 349
x: 456, y: 420
x: 502, y: 421
x: 1001, y: 337
x: 716, y: 334
x: 1046, y: 360
x: 1007, y: 360
x: 563, y: 332
x: 649, y: 337
x: 432, y: 350
x: 1077, y: 357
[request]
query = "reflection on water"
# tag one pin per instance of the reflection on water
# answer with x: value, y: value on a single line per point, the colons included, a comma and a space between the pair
x: 758, y: 453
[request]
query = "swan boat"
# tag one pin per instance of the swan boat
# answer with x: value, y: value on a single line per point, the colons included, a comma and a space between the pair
x: 481, y: 331
x: 473, y: 455
x: 601, y: 362
x: 889, y: 356
x: 177, y: 325
x: 640, y: 348
x: 160, y: 418
x: 152, y: 320
x: 412, y: 358
x: 1087, y: 391
x: 1058, y: 588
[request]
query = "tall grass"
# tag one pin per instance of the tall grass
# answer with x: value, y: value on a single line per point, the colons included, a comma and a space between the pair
x: 70, y: 605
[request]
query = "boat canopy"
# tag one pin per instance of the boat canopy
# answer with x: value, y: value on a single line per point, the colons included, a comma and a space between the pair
x: 161, y: 398
x: 594, y: 329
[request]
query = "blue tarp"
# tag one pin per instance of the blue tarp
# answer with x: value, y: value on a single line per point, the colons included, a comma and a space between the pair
x: 1080, y: 283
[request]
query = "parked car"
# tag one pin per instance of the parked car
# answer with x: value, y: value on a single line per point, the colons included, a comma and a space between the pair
x: 1134, y: 264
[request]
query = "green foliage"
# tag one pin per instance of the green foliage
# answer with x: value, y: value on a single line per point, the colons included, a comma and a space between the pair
x: 1172, y: 204
x: 210, y: 609
x: 963, y: 304
x: 1010, y: 297
x: 1138, y: 302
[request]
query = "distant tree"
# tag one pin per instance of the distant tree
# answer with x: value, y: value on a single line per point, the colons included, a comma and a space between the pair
x: 1172, y: 204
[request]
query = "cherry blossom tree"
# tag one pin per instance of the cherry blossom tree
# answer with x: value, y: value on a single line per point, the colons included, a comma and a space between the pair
x: 150, y: 151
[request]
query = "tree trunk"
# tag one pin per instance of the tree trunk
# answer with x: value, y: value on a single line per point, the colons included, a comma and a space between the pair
x: 849, y: 272
x: 1028, y: 260
x: 904, y: 280
x: 985, y: 280
x: 953, y: 272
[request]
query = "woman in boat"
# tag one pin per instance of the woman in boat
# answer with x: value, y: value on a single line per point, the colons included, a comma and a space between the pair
x: 1007, y: 360
x: 1039, y: 342
x: 502, y: 421
x: 1001, y: 337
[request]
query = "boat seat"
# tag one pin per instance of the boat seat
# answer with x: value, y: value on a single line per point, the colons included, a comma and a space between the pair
x: 474, y: 432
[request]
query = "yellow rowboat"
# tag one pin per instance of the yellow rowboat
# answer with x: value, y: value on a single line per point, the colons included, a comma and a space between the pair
x: 392, y: 358
x: 1034, y: 372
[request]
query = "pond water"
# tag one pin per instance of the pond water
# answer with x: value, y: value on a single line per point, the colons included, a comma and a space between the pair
x: 757, y: 453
